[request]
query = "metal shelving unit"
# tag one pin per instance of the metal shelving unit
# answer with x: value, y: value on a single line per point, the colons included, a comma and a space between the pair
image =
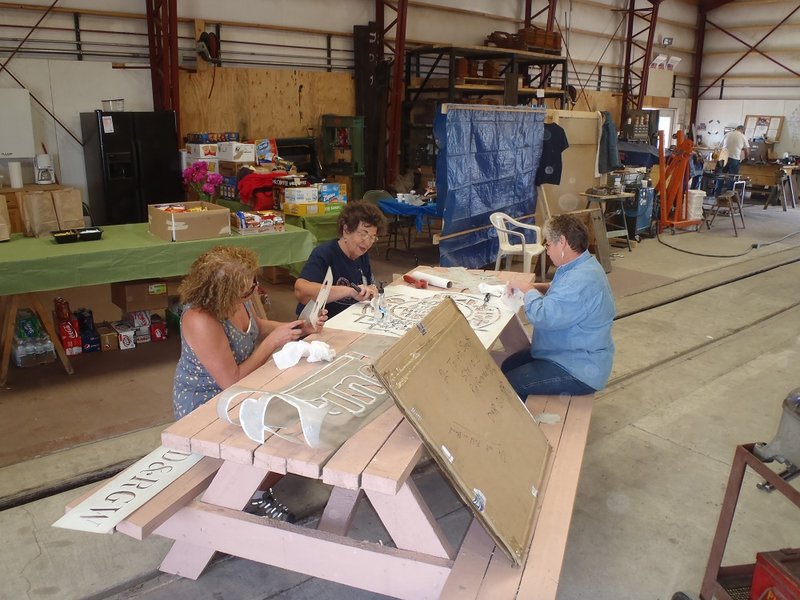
x: 431, y: 78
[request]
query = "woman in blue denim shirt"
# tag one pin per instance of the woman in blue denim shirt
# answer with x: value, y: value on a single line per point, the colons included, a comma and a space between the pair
x: 571, y: 351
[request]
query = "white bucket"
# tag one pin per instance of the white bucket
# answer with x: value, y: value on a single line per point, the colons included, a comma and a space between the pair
x: 696, y: 204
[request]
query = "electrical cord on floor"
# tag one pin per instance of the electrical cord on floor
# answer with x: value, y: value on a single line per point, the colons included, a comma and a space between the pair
x: 753, y: 246
x: 660, y: 241
x: 762, y: 244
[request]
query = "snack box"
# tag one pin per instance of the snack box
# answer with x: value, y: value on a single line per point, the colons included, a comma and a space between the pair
x: 300, y: 195
x: 202, y: 150
x: 257, y: 221
x: 266, y: 151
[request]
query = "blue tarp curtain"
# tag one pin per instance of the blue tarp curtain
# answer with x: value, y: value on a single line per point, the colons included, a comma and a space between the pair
x: 487, y: 162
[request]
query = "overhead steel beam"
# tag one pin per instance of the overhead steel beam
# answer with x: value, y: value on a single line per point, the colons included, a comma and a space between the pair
x: 749, y: 50
x: 550, y: 7
x: 28, y: 35
x: 694, y: 90
x: 638, y: 50
x: 162, y: 37
x: 396, y: 84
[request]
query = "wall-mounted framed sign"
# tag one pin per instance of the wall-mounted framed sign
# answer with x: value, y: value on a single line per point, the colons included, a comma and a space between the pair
x: 763, y: 127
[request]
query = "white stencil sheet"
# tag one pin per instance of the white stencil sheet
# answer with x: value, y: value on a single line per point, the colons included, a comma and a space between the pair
x: 408, y: 306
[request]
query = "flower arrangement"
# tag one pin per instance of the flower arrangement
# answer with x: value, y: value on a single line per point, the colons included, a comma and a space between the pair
x: 205, y: 184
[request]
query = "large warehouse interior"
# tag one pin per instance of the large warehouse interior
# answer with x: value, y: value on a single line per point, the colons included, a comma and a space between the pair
x: 402, y: 299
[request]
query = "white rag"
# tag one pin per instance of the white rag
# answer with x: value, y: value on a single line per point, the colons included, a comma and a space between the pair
x: 291, y: 353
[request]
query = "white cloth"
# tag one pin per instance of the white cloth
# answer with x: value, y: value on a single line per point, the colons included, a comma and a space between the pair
x: 291, y: 353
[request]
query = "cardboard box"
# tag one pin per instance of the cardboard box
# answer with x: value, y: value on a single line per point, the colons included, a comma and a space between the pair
x: 90, y: 340
x: 211, y: 163
x: 125, y: 335
x: 257, y: 221
x: 141, y: 335
x: 69, y: 336
x: 476, y: 424
x: 137, y: 318
x: 158, y: 329
x: 266, y: 151
x: 109, y: 339
x: 279, y: 185
x: 236, y: 151
x: 212, y: 222
x: 276, y: 275
x: 313, y: 208
x: 329, y: 192
x: 230, y: 168
x: 131, y: 296
x: 202, y: 150
x: 300, y: 195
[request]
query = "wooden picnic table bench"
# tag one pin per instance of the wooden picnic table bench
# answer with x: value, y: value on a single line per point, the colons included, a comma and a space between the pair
x: 203, y: 509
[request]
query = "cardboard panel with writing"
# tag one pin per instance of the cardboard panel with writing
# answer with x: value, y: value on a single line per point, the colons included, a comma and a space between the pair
x: 472, y: 422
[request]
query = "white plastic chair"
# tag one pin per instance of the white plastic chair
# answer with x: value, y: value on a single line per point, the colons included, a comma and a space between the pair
x: 504, y: 226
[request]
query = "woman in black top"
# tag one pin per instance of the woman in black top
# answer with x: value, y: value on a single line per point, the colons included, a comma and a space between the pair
x: 359, y: 226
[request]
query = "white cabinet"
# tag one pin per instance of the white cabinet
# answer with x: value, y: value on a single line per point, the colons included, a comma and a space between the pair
x: 16, y: 125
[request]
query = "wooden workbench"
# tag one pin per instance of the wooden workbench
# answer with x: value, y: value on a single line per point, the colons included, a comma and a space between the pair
x: 783, y: 179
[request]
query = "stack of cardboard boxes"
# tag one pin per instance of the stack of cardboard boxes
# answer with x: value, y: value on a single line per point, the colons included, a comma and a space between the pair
x: 318, y: 199
x: 139, y: 324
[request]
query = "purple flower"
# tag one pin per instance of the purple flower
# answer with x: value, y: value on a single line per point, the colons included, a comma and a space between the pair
x: 214, y: 178
x: 208, y: 188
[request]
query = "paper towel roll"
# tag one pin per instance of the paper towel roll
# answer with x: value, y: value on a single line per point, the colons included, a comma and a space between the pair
x: 432, y: 279
x: 15, y: 174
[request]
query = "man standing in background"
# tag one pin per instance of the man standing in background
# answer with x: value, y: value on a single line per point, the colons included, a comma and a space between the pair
x: 735, y: 143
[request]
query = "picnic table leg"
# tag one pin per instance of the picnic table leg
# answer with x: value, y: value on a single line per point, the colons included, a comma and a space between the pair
x: 7, y: 335
x: 232, y: 487
x: 410, y: 522
x: 339, y: 511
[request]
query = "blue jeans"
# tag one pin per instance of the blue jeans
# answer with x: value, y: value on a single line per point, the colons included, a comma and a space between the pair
x: 528, y: 375
x: 732, y: 167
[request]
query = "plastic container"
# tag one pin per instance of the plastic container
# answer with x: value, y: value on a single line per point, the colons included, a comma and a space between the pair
x: 116, y: 105
x: 65, y: 236
x: 90, y: 234
x: 695, y: 204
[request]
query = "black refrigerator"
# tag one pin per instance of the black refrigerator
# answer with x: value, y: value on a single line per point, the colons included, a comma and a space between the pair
x: 132, y: 160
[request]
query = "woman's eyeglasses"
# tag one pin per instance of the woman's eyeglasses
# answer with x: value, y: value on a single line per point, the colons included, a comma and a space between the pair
x: 366, y: 236
x: 254, y: 287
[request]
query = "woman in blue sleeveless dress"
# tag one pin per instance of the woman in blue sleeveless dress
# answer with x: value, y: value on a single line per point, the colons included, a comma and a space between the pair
x: 221, y: 339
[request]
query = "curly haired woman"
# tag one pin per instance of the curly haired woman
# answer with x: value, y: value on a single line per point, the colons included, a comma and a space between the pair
x: 222, y: 340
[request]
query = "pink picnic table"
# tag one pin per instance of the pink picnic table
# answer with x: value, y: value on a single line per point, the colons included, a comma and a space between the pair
x: 203, y: 510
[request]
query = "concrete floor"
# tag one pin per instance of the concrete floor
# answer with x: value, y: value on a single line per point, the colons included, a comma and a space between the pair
x: 707, y: 349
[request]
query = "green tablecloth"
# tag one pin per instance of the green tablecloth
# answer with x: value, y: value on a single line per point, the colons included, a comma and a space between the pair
x: 128, y: 252
x: 323, y: 227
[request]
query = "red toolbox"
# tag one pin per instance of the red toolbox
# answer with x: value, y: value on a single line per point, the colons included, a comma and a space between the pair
x: 776, y: 575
